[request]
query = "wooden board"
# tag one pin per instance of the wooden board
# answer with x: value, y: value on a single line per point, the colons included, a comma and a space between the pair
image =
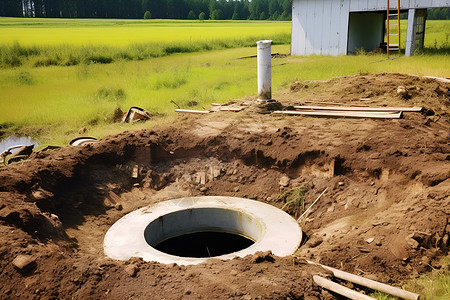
x: 227, y: 108
x: 192, y: 111
x: 360, y: 108
x: 348, y: 114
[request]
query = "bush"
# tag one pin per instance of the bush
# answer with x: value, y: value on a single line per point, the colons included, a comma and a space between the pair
x: 111, y: 94
x: 99, y: 59
x: 191, y: 15
x: 147, y: 15
x: 45, y: 62
x: 202, y: 16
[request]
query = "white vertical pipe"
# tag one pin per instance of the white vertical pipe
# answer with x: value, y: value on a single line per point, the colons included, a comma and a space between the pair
x: 264, y: 70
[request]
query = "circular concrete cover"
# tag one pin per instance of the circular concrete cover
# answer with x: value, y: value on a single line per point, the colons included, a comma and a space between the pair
x: 135, y: 234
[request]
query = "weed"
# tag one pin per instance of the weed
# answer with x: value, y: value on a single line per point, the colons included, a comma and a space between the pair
x: 170, y: 80
x: 45, y: 62
x: 111, y: 94
x: 99, y: 59
x: 25, y: 78
x: 294, y: 200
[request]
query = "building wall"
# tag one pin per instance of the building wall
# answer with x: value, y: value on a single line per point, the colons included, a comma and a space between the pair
x: 322, y: 26
x: 319, y: 27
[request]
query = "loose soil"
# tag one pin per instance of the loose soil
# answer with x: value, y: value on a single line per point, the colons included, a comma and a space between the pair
x: 383, y: 216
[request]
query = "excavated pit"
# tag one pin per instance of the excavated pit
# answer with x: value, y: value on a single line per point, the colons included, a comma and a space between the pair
x: 204, y: 244
x: 252, y: 227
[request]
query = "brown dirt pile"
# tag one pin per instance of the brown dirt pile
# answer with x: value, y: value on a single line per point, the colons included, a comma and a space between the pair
x: 383, y: 216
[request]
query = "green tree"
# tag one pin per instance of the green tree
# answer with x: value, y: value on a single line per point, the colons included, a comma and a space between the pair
x: 202, y: 16
x: 217, y: 14
x: 147, y: 15
x: 263, y: 16
x: 191, y: 15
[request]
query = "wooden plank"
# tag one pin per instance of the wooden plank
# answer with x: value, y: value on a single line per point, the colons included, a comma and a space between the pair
x: 329, y: 36
x: 359, y: 108
x: 310, y: 26
x: 192, y: 111
x: 298, y: 28
x: 339, y: 289
x: 334, y: 28
x: 228, y: 108
x: 318, y: 30
x: 348, y: 114
x: 344, y: 16
x: 374, y: 285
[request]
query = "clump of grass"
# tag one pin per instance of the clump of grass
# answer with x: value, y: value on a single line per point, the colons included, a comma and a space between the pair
x: 294, y: 200
x: 170, y: 80
x: 434, y: 285
x: 25, y: 78
x: 111, y: 94
x: 45, y: 62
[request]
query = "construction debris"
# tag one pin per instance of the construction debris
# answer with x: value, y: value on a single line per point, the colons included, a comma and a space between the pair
x: 360, y: 108
x: 22, y: 152
x: 190, y: 111
x: 82, y: 140
x: 135, y: 114
x: 309, y: 110
x: 348, y: 114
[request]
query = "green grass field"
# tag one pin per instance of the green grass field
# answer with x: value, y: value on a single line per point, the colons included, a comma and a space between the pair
x: 110, y: 32
x: 51, y: 102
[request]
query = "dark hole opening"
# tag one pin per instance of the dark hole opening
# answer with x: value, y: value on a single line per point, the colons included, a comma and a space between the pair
x: 204, y: 244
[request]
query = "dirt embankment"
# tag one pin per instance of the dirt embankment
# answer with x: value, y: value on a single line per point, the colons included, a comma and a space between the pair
x: 384, y: 215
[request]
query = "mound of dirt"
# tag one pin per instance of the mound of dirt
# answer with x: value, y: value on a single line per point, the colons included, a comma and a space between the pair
x: 384, y: 215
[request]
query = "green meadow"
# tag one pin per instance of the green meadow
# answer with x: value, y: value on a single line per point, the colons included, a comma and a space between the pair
x: 111, y: 32
x: 49, y: 99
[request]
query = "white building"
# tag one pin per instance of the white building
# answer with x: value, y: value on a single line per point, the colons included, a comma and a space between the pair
x: 333, y: 27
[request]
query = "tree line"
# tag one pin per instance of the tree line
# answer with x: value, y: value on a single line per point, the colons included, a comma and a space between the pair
x: 156, y: 9
x: 439, y: 13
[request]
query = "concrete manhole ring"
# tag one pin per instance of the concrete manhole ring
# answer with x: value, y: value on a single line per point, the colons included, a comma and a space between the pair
x: 139, y: 232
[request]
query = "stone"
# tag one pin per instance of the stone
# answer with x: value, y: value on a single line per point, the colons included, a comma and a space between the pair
x: 284, y: 181
x: 24, y: 262
x: 315, y: 241
x: 370, y: 240
x: 341, y: 183
x: 82, y: 130
x: 131, y: 270
x: 401, y: 90
x: 201, y: 177
x: 118, y: 206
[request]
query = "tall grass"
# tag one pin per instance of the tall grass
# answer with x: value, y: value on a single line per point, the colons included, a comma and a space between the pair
x: 52, y: 103
x: 16, y: 55
x: 67, y: 42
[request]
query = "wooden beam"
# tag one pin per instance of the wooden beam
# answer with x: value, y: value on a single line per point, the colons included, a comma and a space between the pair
x: 339, y: 289
x: 372, y: 284
x: 348, y: 114
x: 360, y: 108
x: 192, y: 111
